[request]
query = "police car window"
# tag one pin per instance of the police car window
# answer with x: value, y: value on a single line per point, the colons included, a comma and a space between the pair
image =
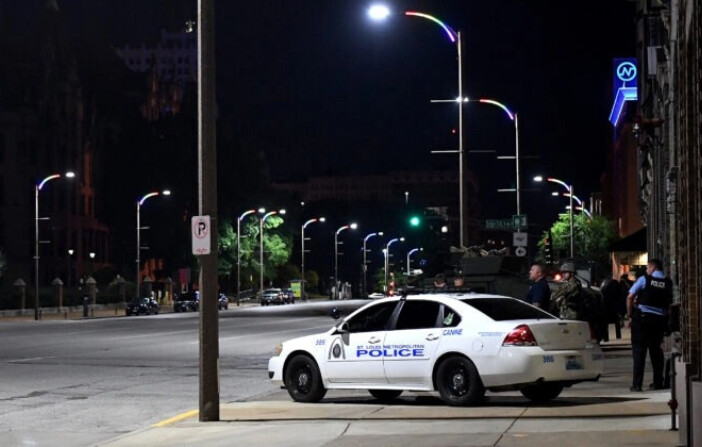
x: 450, y: 317
x: 503, y: 309
x: 374, y: 318
x: 418, y: 315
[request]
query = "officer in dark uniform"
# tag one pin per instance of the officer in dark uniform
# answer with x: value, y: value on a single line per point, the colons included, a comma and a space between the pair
x: 647, y: 305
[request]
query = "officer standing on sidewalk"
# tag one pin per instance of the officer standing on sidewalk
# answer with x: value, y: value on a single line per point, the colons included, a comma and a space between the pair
x: 647, y: 305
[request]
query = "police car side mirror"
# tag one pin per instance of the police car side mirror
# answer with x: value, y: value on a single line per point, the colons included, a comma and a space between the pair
x: 335, y: 314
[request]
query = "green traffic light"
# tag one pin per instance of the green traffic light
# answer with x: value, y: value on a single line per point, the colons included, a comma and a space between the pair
x: 414, y: 221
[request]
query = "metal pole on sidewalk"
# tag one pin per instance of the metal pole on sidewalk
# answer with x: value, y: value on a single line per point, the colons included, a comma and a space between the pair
x: 207, y: 200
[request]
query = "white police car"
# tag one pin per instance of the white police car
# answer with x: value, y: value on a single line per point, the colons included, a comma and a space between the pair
x: 458, y: 345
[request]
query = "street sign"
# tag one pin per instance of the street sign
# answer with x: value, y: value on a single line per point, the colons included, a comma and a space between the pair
x: 519, y: 222
x: 499, y: 224
x: 202, y: 240
x: 519, y: 239
x: 520, y: 251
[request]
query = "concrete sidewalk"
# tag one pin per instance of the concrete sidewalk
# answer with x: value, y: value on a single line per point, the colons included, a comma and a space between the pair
x: 615, y: 420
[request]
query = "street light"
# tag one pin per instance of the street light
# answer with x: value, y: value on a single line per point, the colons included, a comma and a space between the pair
x: 92, y: 262
x: 365, y: 263
x: 260, y: 234
x: 139, y: 203
x: 387, y: 260
x: 302, y: 284
x: 380, y: 12
x: 38, y: 188
x: 569, y: 189
x: 352, y: 226
x: 238, y: 249
x: 70, y: 268
x: 410, y: 253
x: 513, y: 117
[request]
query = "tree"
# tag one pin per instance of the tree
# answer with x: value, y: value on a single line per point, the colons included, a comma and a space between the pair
x: 311, y: 280
x: 277, y: 248
x: 593, y: 235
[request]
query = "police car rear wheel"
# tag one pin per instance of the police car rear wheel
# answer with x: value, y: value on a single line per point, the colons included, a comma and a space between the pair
x: 458, y: 382
x: 542, y: 392
x: 303, y: 380
x: 385, y: 395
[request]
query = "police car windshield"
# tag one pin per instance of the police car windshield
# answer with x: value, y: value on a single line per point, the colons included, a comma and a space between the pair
x: 503, y: 309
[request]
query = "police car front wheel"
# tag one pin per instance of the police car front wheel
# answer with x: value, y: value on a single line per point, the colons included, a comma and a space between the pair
x: 303, y: 380
x: 458, y: 382
x: 385, y: 395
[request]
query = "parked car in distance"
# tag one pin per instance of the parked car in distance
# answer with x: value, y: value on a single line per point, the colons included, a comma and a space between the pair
x: 288, y: 296
x: 272, y: 296
x: 187, y: 301
x: 223, y: 302
x: 142, y: 306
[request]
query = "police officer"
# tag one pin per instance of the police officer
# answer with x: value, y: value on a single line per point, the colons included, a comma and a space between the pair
x: 647, y: 305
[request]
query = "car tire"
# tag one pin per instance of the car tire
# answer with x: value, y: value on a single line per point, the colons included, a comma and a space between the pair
x: 458, y: 382
x: 303, y: 380
x: 542, y: 392
x: 385, y: 395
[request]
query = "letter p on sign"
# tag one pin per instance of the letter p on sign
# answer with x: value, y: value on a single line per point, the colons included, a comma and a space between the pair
x: 201, y: 235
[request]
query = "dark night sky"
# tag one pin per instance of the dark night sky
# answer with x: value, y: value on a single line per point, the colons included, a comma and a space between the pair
x: 315, y: 81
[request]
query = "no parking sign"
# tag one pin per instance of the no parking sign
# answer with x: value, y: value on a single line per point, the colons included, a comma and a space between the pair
x: 201, y: 235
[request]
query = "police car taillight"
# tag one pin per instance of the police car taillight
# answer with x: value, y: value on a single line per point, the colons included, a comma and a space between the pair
x: 520, y: 336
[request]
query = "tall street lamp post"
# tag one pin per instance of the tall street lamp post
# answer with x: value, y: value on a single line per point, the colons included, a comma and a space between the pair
x: 260, y: 234
x: 238, y: 249
x: 140, y: 202
x: 365, y: 262
x: 38, y: 188
x: 302, y: 254
x: 387, y: 260
x: 352, y: 226
x: 514, y: 118
x: 380, y: 12
x: 409, y: 254
x: 569, y: 189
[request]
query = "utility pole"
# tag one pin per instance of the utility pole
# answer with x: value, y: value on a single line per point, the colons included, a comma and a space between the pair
x: 207, y: 204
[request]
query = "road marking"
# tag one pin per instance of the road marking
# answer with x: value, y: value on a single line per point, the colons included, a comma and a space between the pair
x: 29, y: 359
x: 177, y: 418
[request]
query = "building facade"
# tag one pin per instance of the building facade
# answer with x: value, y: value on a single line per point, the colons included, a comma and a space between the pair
x: 668, y: 130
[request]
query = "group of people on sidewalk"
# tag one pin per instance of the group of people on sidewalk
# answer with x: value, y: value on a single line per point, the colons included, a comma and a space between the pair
x: 646, y: 304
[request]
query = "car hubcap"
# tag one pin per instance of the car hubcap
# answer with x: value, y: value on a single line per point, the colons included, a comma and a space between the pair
x: 303, y: 381
x: 457, y: 382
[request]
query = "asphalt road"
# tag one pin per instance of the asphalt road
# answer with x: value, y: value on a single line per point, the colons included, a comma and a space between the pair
x: 77, y: 382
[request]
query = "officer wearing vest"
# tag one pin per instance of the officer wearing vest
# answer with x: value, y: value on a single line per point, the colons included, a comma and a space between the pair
x: 647, y: 305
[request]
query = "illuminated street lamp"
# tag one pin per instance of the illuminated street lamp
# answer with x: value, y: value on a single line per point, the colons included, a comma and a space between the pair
x: 260, y: 234
x: 139, y: 203
x: 569, y: 189
x: 365, y: 262
x: 238, y: 249
x: 38, y: 188
x: 352, y: 226
x: 381, y: 12
x: 387, y: 260
x: 302, y: 237
x: 409, y: 254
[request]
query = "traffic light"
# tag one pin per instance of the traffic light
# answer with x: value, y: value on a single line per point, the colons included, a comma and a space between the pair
x: 548, y: 249
x: 415, y: 221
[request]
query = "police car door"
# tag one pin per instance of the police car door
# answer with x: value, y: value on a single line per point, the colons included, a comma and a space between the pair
x: 411, y: 344
x: 355, y: 351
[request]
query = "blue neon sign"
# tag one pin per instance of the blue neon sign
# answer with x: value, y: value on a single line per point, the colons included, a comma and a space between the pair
x: 625, y: 86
